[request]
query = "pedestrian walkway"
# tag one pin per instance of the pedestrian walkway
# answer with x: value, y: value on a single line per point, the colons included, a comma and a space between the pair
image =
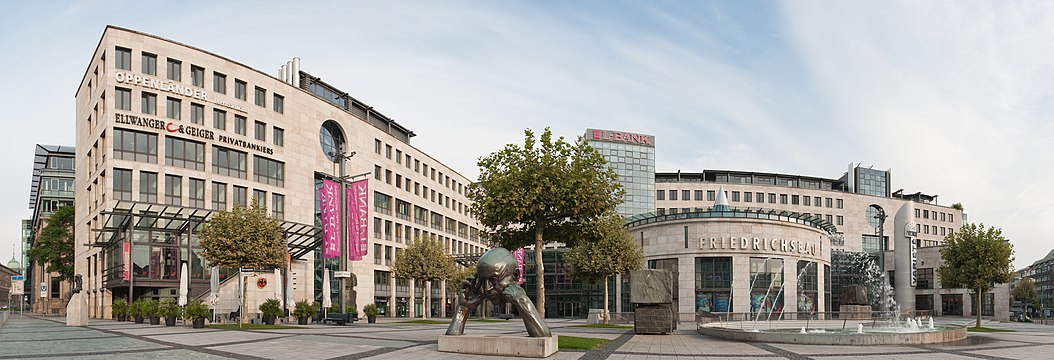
x: 32, y: 337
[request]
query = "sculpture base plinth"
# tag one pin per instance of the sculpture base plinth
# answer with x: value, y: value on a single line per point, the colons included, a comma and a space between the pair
x: 854, y: 312
x: 536, y: 347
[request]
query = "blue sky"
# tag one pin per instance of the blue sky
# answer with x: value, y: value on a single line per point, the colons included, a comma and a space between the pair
x: 954, y: 96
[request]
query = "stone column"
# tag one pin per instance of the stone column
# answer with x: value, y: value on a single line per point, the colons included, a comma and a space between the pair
x: 821, y: 296
x: 618, y: 294
x: 442, y: 298
x: 790, y: 287
x: 411, y: 312
x: 685, y: 288
x: 741, y: 284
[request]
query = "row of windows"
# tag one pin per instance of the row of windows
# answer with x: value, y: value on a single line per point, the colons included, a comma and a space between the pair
x: 747, y: 196
x: 382, y: 204
x: 389, y: 254
x: 833, y: 219
x: 195, y: 195
x: 142, y: 147
x: 174, y: 111
x: 925, y: 214
x: 404, y: 183
x: 174, y: 72
x: 404, y: 160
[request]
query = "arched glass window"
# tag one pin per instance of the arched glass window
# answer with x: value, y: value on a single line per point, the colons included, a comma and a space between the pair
x: 331, y: 137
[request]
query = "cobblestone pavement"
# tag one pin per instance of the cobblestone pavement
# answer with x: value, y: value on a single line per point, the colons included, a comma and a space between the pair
x: 33, y: 337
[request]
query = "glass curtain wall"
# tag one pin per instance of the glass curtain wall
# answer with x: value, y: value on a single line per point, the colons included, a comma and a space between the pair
x: 766, y: 298
x: 713, y: 284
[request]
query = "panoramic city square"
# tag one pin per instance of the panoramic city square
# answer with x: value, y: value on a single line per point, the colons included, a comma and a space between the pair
x: 546, y: 179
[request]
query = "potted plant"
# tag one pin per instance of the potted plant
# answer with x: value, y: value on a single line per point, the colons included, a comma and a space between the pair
x: 353, y: 312
x: 120, y: 310
x: 303, y: 312
x: 271, y: 309
x: 371, y: 312
x: 138, y: 310
x: 152, y: 309
x: 169, y: 310
x: 197, y: 311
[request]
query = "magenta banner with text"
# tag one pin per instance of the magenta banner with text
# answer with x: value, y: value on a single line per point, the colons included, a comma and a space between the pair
x: 330, y: 212
x: 358, y: 220
x: 519, y: 264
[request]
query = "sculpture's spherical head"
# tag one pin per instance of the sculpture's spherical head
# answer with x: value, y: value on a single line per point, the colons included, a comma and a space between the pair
x: 496, y: 268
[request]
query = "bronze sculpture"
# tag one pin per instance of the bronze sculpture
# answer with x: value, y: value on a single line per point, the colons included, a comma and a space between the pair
x: 495, y: 280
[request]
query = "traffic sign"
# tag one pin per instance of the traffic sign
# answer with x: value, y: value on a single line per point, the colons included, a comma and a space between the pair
x: 43, y: 290
x: 342, y: 274
x: 18, y: 278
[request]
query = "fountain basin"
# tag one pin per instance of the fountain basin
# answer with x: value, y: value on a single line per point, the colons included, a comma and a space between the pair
x: 835, y: 335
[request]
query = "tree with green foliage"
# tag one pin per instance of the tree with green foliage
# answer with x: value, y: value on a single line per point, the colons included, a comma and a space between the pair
x: 976, y: 258
x: 544, y: 191
x: 1025, y: 292
x: 957, y: 206
x: 608, y: 250
x: 244, y: 237
x: 424, y: 260
x: 54, y: 245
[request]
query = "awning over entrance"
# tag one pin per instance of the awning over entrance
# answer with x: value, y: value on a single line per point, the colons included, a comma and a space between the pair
x: 300, y: 238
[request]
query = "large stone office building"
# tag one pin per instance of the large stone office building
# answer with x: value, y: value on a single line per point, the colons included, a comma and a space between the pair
x: 51, y: 188
x: 168, y: 134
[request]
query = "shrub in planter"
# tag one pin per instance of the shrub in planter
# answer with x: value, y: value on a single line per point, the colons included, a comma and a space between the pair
x: 138, y: 310
x: 371, y: 312
x: 353, y: 311
x: 303, y: 312
x: 169, y: 310
x: 152, y: 309
x: 271, y: 309
x: 197, y: 311
x: 120, y: 310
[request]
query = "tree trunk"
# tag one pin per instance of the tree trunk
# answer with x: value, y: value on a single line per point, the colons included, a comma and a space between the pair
x: 539, y: 269
x: 606, y: 316
x: 979, y: 297
x: 425, y: 304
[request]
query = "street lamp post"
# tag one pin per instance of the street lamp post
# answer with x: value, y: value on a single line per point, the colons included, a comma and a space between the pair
x: 341, y: 157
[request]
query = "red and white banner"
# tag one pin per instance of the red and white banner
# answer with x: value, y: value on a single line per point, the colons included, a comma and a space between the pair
x: 330, y: 213
x: 519, y: 264
x: 358, y: 219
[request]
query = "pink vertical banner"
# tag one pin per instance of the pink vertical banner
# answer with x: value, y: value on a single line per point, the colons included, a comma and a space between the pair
x: 330, y: 212
x: 127, y: 256
x: 358, y: 219
x: 519, y: 264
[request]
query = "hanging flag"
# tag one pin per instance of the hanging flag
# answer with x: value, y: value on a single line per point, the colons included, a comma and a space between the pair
x: 126, y: 249
x: 358, y: 219
x: 330, y: 213
x: 519, y: 264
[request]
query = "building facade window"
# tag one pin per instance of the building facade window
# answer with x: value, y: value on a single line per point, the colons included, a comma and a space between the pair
x: 219, y: 196
x: 748, y: 196
x: 260, y: 97
x: 184, y: 153
x: 382, y: 203
x: 196, y: 193
x: 123, y: 58
x: 134, y: 146
x: 260, y: 198
x: 278, y: 206
x: 260, y: 132
x: 197, y: 114
x: 148, y: 103
x: 122, y: 184
x: 268, y: 171
x: 219, y: 83
x: 147, y: 187
x: 713, y: 284
x: 172, y: 108
x: 279, y: 104
x: 174, y: 68
x: 686, y: 195
x: 173, y: 190
x: 278, y: 138
x: 219, y: 119
x: 660, y: 194
x: 924, y: 278
x: 240, y: 195
x: 122, y: 99
x: 240, y: 89
x: 197, y: 76
x: 149, y: 64
x: 239, y: 124
x: 673, y: 194
x: 228, y: 162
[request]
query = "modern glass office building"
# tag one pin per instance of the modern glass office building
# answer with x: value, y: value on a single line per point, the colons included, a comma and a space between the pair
x: 632, y: 156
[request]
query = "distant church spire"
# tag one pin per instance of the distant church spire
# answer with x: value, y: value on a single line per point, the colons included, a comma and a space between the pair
x: 722, y: 201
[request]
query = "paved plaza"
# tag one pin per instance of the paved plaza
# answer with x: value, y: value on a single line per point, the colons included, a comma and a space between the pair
x: 34, y: 337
